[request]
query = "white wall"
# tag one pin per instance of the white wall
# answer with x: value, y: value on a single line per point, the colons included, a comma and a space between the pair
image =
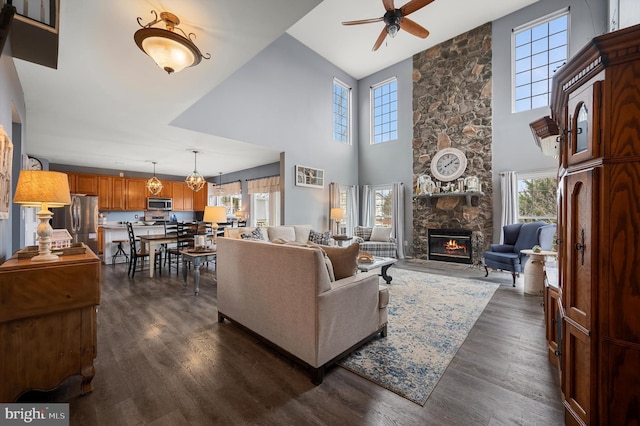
x: 513, y: 144
x: 282, y: 99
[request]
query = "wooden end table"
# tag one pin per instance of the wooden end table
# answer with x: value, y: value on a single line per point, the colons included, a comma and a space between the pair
x: 198, y: 258
x: 379, y: 262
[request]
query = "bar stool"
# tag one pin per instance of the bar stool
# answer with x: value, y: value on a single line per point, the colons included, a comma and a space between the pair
x: 119, y: 252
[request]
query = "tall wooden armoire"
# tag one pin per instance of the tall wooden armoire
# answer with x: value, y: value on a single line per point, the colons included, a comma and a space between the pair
x: 596, y: 105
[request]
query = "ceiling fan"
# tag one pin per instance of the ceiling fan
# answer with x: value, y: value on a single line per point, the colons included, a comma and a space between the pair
x: 395, y: 19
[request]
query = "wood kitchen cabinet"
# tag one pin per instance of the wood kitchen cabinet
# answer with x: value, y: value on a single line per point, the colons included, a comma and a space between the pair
x: 136, y: 194
x: 100, y: 240
x: 596, y: 105
x: 81, y: 183
x: 47, y: 323
x: 182, y: 196
x: 111, y: 193
x: 166, y: 190
x: 200, y: 199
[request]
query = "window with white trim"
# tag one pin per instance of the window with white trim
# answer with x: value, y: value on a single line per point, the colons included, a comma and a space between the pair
x: 341, y: 112
x: 383, y: 205
x: 384, y: 111
x: 537, y: 197
x: 539, y: 49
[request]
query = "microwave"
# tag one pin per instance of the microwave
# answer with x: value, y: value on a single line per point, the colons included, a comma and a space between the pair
x: 154, y: 203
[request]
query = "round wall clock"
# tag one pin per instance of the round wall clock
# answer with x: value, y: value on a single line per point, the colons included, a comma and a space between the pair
x: 34, y: 164
x: 448, y: 164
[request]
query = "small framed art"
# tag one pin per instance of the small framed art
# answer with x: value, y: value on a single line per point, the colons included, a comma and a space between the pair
x: 308, y: 176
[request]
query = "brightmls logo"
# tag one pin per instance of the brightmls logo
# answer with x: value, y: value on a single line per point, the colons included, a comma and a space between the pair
x: 37, y: 414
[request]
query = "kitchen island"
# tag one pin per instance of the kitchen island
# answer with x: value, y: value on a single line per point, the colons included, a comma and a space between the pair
x: 118, y: 231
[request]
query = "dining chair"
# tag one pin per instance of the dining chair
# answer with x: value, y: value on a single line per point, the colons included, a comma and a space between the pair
x: 185, y: 232
x: 140, y: 253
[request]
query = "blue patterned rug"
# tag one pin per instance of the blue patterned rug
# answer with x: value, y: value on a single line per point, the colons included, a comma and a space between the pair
x: 429, y: 318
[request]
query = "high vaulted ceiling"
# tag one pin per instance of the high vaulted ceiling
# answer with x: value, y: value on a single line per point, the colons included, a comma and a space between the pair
x: 109, y: 106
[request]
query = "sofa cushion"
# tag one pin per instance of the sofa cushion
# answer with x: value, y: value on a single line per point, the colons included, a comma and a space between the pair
x: 363, y: 232
x: 380, y: 233
x: 344, y: 260
x: 256, y: 234
x: 322, y: 238
x: 284, y: 232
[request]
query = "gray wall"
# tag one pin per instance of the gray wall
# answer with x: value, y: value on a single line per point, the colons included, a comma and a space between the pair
x: 282, y: 99
x: 10, y: 95
x: 513, y: 145
x: 389, y: 162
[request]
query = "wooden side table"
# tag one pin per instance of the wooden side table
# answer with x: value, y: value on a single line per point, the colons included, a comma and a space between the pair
x: 534, y: 271
x: 340, y: 239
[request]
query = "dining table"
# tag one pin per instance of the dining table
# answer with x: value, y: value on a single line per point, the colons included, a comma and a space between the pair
x: 152, y: 242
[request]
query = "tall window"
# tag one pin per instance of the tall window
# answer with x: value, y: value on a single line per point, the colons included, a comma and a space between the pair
x: 384, y: 111
x: 341, y: 112
x: 537, y: 198
x: 383, y: 202
x: 539, y: 49
x: 265, y: 201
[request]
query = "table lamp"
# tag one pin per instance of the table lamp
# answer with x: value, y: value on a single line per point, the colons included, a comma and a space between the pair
x: 337, y: 214
x: 214, y: 214
x: 44, y: 189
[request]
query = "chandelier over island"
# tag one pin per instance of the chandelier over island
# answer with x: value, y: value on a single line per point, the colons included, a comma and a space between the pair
x: 195, y: 181
x: 153, y: 184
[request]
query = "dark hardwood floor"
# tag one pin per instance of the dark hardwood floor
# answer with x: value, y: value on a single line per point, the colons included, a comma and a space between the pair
x: 163, y: 359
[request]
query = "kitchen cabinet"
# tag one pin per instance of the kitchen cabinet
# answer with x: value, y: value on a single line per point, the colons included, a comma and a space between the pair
x: 182, y: 196
x: 48, y: 323
x: 165, y: 192
x: 136, y: 194
x: 200, y: 199
x: 596, y: 104
x: 81, y: 183
x: 100, y: 240
x: 111, y: 193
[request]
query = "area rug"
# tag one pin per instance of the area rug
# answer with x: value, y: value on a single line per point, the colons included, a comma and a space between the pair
x: 429, y: 318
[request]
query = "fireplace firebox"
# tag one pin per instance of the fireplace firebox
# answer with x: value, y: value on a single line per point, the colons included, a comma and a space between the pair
x: 450, y: 245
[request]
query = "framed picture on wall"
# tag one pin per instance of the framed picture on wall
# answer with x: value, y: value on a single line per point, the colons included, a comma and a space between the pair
x: 6, y: 155
x: 308, y: 176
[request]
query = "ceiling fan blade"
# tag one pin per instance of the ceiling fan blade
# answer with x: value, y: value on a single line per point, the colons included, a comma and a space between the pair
x: 388, y: 5
x: 363, y: 21
x: 414, y: 5
x: 411, y: 27
x: 380, y: 39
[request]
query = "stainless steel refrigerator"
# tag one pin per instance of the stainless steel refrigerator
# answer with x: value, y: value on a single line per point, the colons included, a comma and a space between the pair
x: 80, y: 218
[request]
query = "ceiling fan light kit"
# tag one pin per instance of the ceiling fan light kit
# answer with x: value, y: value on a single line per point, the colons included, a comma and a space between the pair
x: 170, y: 51
x: 395, y: 20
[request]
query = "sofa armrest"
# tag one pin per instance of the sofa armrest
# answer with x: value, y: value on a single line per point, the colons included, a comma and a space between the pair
x: 347, y: 313
x: 501, y: 248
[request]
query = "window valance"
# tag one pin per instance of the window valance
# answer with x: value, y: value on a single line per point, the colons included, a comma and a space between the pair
x: 231, y: 188
x: 268, y: 184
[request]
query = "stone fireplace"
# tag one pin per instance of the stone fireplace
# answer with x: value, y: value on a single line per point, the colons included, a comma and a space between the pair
x: 452, y: 91
x: 450, y: 245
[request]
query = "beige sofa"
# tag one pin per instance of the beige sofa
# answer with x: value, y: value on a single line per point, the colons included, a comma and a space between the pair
x: 299, y: 233
x: 284, y: 294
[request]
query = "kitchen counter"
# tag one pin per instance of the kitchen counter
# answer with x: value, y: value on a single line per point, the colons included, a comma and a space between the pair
x: 118, y: 231
x: 135, y: 226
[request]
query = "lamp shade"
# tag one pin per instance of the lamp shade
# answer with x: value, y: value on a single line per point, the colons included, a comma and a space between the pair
x: 337, y: 214
x: 214, y: 214
x: 38, y: 187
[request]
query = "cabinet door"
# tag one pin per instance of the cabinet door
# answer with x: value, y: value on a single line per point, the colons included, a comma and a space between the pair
x: 200, y: 199
x: 584, y: 124
x: 579, y: 289
x: 100, y: 240
x: 104, y: 193
x: 187, y: 200
x: 177, y: 191
x: 166, y: 190
x: 87, y: 184
x: 136, y: 194
x: 551, y: 322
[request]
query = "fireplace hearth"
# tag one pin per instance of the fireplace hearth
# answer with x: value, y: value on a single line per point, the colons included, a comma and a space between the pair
x: 450, y: 245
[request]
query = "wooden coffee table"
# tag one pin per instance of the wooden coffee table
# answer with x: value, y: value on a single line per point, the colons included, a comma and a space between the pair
x: 379, y: 262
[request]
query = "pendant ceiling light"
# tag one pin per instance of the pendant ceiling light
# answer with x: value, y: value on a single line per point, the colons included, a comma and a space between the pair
x: 170, y: 50
x: 195, y: 180
x: 153, y: 184
x: 217, y: 189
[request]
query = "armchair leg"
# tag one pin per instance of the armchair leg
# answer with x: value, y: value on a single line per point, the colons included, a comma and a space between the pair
x: 514, y: 279
x: 487, y: 270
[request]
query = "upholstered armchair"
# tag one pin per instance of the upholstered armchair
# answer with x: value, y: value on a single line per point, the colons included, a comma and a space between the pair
x: 377, y: 241
x: 518, y: 237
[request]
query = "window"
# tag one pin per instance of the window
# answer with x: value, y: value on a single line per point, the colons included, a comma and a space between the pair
x: 231, y: 202
x: 341, y: 112
x: 539, y: 49
x: 384, y: 111
x: 383, y: 202
x: 265, y: 209
x: 537, y: 197
x: 227, y: 195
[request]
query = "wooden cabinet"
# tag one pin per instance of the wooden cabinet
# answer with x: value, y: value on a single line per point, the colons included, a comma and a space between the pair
x: 111, y: 193
x: 80, y: 183
x: 200, y: 199
x: 47, y: 323
x: 136, y: 194
x: 596, y: 104
x: 552, y: 315
x: 166, y: 190
x: 182, y: 197
x: 100, y: 240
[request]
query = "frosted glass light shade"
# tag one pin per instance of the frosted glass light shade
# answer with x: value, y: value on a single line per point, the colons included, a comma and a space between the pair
x: 169, y: 54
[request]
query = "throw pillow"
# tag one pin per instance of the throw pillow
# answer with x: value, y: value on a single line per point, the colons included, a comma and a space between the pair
x: 256, y: 234
x: 283, y: 232
x: 322, y: 238
x: 362, y: 232
x: 302, y: 233
x: 343, y: 259
x: 380, y: 233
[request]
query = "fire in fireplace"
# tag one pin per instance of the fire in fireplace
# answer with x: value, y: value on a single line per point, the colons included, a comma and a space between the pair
x: 450, y: 245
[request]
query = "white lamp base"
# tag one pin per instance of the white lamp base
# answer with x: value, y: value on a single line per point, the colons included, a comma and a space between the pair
x: 45, y: 231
